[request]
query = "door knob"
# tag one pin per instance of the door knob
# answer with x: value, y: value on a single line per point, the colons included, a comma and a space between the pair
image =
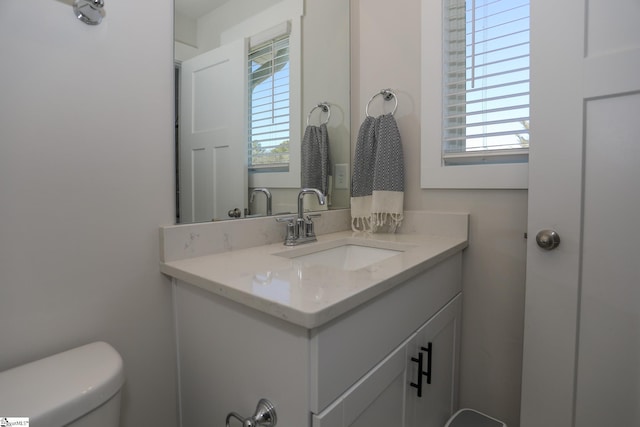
x: 234, y: 213
x: 548, y: 239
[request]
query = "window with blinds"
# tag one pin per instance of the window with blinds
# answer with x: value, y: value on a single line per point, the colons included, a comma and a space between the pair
x: 269, y: 117
x: 486, y: 82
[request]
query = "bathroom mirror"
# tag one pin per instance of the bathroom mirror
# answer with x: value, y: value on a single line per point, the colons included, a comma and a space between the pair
x: 216, y: 173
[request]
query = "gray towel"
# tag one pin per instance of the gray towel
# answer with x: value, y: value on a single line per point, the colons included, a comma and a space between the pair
x: 388, y: 179
x: 315, y: 163
x: 362, y: 176
x: 377, y: 192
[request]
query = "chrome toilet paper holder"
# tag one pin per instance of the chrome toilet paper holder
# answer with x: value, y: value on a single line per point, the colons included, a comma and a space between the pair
x: 265, y: 416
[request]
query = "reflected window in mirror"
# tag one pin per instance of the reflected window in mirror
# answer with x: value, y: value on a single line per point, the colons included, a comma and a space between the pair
x: 269, y: 107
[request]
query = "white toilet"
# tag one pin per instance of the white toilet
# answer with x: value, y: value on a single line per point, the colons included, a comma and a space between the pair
x: 79, y: 388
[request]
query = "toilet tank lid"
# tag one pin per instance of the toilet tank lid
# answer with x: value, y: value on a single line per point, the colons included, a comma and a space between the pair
x: 61, y: 388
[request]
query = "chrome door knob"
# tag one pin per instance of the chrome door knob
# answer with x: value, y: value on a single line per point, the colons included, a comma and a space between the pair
x: 234, y: 213
x: 548, y: 239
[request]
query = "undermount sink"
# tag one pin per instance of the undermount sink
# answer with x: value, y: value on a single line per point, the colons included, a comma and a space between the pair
x: 345, y: 256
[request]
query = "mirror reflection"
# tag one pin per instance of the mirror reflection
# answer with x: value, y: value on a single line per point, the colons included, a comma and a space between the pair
x: 262, y: 103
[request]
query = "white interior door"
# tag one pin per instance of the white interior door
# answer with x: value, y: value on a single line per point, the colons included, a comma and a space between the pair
x: 213, y: 136
x: 582, y: 310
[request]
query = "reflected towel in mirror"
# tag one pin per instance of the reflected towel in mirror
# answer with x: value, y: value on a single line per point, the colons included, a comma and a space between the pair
x: 315, y: 163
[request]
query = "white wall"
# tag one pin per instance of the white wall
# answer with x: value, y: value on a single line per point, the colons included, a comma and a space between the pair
x: 185, y: 31
x: 325, y: 78
x: 386, y: 54
x: 212, y: 25
x: 85, y: 180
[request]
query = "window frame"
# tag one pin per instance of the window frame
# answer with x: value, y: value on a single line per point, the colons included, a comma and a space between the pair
x: 434, y: 174
x: 268, y: 167
x: 291, y: 11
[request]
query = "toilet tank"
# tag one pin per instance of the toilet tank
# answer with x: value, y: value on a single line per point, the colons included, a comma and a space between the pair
x: 79, y: 387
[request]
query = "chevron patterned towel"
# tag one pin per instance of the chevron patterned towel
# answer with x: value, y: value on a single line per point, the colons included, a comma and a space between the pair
x: 315, y: 158
x: 377, y: 194
x: 362, y: 177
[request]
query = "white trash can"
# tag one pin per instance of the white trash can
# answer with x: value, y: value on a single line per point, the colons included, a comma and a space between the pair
x: 471, y: 418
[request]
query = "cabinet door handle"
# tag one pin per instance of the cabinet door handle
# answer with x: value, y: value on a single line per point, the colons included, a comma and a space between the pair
x: 418, y: 386
x: 421, y: 372
x: 429, y: 350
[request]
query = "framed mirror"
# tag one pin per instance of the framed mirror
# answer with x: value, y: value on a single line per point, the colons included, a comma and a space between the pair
x: 255, y: 83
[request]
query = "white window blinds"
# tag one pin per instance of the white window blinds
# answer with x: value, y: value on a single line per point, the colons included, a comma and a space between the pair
x: 486, y: 87
x: 269, y: 115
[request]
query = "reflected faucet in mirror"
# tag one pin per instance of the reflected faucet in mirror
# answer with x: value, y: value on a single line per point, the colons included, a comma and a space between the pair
x: 267, y: 193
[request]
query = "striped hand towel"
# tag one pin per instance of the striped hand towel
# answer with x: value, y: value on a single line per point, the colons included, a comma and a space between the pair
x: 377, y: 189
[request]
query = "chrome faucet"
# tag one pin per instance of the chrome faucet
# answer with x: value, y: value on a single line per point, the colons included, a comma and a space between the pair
x: 267, y: 193
x: 300, y: 228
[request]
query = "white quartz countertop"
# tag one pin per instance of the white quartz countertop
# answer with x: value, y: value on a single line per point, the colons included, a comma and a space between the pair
x: 308, y: 294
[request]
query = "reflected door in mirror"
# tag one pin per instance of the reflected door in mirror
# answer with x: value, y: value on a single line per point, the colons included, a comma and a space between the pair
x: 213, y: 173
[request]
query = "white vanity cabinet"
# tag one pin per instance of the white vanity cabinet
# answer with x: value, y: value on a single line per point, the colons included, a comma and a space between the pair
x: 354, y: 370
x: 394, y: 393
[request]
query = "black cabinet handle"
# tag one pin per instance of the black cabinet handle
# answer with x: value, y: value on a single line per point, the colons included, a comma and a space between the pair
x: 419, y: 360
x: 429, y: 351
x: 421, y: 372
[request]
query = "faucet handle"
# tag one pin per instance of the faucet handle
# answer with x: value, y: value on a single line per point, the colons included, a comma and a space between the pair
x: 308, y: 225
x: 290, y: 220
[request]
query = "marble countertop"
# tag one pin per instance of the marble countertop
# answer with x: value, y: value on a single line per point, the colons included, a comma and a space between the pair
x: 308, y: 294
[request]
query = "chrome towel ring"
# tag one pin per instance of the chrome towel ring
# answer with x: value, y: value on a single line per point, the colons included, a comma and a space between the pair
x: 325, y: 108
x: 387, y: 95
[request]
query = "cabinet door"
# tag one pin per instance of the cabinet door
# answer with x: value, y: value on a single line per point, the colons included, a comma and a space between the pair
x: 376, y: 400
x: 432, y: 394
